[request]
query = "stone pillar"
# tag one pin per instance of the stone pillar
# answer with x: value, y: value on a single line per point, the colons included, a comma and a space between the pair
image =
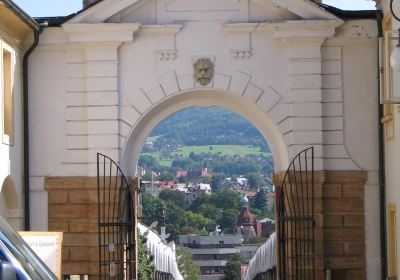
x: 101, y: 61
x: 305, y: 105
x: 303, y: 126
x: 339, y: 230
x: 344, y: 224
x: 92, y: 113
x: 72, y: 210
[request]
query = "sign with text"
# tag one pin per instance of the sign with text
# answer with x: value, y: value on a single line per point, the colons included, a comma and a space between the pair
x: 48, y: 246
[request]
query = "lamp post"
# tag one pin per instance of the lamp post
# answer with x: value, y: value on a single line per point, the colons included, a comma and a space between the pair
x: 395, y: 56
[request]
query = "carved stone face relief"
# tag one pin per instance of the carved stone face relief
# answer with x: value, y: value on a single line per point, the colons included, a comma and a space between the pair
x: 203, y: 71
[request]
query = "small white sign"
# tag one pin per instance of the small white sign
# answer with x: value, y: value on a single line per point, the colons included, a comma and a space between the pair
x: 112, y: 270
x: 111, y: 247
x: 47, y: 245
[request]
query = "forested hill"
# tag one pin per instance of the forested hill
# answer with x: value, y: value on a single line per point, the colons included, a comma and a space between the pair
x: 207, y: 126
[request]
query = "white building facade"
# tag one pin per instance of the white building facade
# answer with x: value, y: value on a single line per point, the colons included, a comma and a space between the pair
x: 16, y: 38
x: 390, y: 90
x: 101, y: 80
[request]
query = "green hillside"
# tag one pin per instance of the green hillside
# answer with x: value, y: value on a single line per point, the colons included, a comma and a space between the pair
x: 205, y: 127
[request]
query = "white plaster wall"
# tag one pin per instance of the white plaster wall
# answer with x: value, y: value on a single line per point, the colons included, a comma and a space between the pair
x: 269, y: 77
x: 392, y: 148
x: 359, y: 105
x: 47, y: 133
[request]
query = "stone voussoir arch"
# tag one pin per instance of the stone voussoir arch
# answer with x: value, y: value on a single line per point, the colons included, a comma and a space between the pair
x: 261, y: 105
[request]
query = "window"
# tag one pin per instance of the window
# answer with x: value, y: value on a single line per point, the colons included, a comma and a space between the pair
x: 392, y: 243
x: 7, y: 89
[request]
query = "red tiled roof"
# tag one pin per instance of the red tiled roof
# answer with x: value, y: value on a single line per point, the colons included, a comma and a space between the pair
x: 250, y: 194
x: 181, y: 173
x: 271, y: 195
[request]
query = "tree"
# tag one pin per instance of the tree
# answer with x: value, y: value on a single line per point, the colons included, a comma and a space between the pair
x: 150, y: 163
x: 232, y: 269
x: 209, y: 211
x: 198, y: 201
x: 226, y: 199
x: 255, y: 180
x: 177, y: 197
x: 216, y: 181
x: 198, y: 221
x: 206, y: 180
x: 228, y: 218
x: 147, y: 176
x: 151, y: 206
x: 166, y: 177
x: 257, y: 240
x: 187, y: 265
x: 145, y: 267
x: 260, y: 201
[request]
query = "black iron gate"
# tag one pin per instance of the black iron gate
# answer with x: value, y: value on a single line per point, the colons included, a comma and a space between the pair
x: 296, y: 258
x: 117, y: 222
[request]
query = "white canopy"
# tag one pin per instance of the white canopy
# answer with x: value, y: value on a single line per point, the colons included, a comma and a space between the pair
x: 164, y: 255
x: 263, y: 260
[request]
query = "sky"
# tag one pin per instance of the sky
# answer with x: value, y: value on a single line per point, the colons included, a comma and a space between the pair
x: 47, y: 8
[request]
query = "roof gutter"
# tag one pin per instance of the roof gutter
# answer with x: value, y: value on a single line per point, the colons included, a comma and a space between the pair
x: 382, y: 181
x: 36, y: 31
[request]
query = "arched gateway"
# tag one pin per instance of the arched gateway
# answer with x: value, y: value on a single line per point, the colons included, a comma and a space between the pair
x: 102, y: 79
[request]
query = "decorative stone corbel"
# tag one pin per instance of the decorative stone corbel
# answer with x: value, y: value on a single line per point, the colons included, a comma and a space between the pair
x: 240, y: 39
x: 166, y: 37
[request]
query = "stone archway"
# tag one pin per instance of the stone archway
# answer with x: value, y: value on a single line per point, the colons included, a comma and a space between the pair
x: 203, y: 98
x: 127, y: 65
x: 9, y: 206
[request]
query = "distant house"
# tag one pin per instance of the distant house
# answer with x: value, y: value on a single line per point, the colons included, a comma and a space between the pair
x: 196, y: 190
x: 211, y: 253
x: 241, y: 181
x: 140, y: 171
x: 181, y: 173
x: 152, y: 188
x: 193, y: 176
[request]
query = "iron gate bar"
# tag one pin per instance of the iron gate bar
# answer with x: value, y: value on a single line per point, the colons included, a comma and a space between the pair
x: 296, y: 219
x: 116, y: 221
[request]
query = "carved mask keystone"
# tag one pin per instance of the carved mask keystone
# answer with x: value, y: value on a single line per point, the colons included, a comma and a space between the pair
x: 203, y: 71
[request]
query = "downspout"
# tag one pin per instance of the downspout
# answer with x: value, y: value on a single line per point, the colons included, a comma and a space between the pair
x: 382, y: 182
x: 25, y: 85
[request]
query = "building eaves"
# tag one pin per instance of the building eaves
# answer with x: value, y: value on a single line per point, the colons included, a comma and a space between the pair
x: 27, y: 19
x: 59, y: 20
x: 347, y: 15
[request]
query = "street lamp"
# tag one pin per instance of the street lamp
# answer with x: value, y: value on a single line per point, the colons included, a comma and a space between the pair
x: 395, y: 56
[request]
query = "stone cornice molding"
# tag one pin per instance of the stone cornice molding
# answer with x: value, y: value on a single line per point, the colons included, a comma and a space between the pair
x: 101, y: 32
x: 239, y: 38
x: 239, y: 27
x: 166, y: 49
x: 304, y: 28
x: 161, y: 29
